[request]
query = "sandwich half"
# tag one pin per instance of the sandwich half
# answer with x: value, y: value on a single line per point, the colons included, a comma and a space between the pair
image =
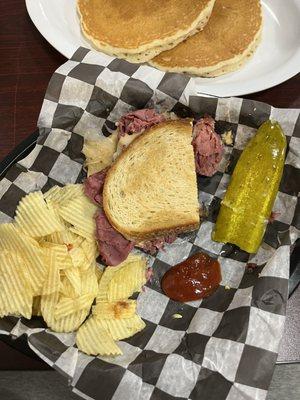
x: 151, y: 189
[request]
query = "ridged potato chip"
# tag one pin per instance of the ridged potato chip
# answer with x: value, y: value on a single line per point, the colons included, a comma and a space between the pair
x: 34, y: 218
x: 108, y: 273
x: 89, y: 282
x: 12, y: 239
x: 80, y: 212
x: 67, y: 306
x: 78, y: 258
x: 128, y: 279
x: 123, y: 328
x: 90, y: 249
x: 70, y: 323
x: 66, y: 288
x: 99, y: 273
x: 64, y: 237
x: 63, y: 195
x: 15, y: 291
x: 116, y: 310
x: 54, y: 209
x: 93, y: 339
x: 77, y: 232
x: 74, y: 276
x: 52, y: 281
x: 61, y: 253
x: 53, y: 193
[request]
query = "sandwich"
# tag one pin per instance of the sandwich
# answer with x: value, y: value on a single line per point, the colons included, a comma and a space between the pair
x: 139, y: 30
x: 148, y: 195
x: 151, y: 189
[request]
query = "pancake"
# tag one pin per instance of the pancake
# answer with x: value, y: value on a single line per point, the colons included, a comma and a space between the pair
x: 228, y: 40
x: 138, y: 30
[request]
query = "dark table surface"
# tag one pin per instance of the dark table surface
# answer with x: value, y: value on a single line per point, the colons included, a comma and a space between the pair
x: 27, y: 62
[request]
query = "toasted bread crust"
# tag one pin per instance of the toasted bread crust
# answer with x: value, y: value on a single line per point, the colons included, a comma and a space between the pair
x: 184, y: 223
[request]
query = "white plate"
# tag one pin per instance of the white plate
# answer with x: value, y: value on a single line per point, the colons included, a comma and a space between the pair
x: 276, y: 60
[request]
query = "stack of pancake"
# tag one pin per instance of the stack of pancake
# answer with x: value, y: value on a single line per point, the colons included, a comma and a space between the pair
x: 202, y: 37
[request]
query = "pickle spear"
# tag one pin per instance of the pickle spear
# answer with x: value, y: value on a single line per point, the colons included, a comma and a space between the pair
x: 249, y: 199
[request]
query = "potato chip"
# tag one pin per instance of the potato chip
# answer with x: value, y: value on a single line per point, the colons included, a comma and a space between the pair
x: 127, y: 280
x: 53, y: 193
x: 67, y: 306
x: 62, y: 237
x: 52, y: 281
x: 54, y: 209
x: 89, y: 282
x: 63, y: 195
x: 70, y: 323
x: 34, y: 218
x: 104, y: 282
x: 48, y: 303
x: 76, y: 243
x: 66, y: 324
x: 36, y: 306
x: 15, y: 291
x: 116, y: 310
x: 98, y: 272
x: 109, y: 272
x: 123, y: 328
x: 78, y: 257
x: 92, y: 338
x: 90, y: 249
x: 66, y: 288
x: 12, y: 239
x: 78, y: 232
x: 61, y: 253
x: 99, y: 152
x: 80, y: 212
x: 73, y: 274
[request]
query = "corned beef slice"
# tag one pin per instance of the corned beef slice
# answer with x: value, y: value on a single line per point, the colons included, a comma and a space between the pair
x: 138, y: 121
x: 113, y: 247
x: 208, y: 147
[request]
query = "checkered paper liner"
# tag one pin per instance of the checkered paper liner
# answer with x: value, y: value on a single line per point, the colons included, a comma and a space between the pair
x: 223, y: 347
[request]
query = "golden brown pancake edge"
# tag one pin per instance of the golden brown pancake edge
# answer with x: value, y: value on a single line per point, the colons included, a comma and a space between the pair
x: 144, y: 40
x: 229, y: 39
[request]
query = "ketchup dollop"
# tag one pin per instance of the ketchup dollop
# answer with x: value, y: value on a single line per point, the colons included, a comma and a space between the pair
x: 193, y: 279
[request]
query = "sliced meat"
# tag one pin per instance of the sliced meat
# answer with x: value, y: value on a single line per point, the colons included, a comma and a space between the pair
x: 208, y: 147
x: 152, y: 246
x: 138, y: 121
x: 113, y: 247
x: 93, y: 186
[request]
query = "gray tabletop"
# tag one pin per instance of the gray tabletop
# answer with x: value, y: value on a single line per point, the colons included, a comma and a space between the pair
x: 290, y: 344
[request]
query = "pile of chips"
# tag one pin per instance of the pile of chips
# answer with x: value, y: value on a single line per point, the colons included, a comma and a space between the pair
x: 114, y: 315
x: 48, y: 268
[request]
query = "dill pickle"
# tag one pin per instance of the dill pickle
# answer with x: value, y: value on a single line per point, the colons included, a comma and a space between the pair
x: 249, y: 199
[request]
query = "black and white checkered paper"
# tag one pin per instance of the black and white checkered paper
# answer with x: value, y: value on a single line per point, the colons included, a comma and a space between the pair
x: 223, y: 347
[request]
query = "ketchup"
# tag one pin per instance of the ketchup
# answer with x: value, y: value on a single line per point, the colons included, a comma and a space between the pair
x: 193, y: 279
